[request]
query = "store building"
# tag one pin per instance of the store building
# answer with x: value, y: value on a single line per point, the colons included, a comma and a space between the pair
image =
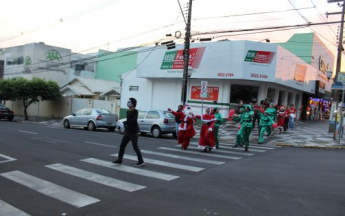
x: 235, y: 70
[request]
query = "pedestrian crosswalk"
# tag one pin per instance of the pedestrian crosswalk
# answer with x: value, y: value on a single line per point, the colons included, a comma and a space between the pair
x: 163, y: 164
x: 50, y: 189
x: 111, y: 182
x: 7, y: 209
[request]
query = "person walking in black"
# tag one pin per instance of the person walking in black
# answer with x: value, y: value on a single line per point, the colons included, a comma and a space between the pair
x: 131, y: 133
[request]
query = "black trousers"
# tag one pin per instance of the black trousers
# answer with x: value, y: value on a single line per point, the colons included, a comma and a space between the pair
x: 125, y: 140
x: 256, y: 118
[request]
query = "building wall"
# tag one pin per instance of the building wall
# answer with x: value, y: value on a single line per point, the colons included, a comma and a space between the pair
x: 38, y: 60
x: 111, y: 66
x: 61, y: 108
x: 166, y: 93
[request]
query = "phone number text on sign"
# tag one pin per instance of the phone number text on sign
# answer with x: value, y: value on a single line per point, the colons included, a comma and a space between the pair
x: 225, y: 74
x: 261, y: 76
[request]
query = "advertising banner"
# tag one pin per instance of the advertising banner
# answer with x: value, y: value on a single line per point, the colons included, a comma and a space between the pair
x: 212, y: 93
x: 259, y: 61
x: 214, y: 60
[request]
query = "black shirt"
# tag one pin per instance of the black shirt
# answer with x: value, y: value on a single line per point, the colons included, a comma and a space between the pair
x: 131, y: 124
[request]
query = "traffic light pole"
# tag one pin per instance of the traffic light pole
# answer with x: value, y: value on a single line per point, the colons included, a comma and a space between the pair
x: 338, y: 68
x: 186, y: 54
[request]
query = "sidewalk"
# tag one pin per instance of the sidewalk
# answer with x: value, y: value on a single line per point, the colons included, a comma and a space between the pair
x: 311, y: 134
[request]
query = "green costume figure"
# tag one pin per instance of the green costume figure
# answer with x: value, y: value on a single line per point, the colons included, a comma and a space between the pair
x: 272, y: 114
x: 264, y: 125
x: 219, y: 121
x: 245, y: 120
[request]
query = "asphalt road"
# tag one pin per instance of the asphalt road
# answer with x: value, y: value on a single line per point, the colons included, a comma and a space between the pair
x: 54, y: 171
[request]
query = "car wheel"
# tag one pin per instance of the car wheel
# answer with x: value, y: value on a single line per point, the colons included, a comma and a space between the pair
x: 111, y: 129
x: 91, y: 126
x: 66, y: 124
x: 143, y: 133
x: 156, y: 132
x: 10, y: 119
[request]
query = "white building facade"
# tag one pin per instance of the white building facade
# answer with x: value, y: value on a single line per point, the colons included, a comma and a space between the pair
x: 234, y: 70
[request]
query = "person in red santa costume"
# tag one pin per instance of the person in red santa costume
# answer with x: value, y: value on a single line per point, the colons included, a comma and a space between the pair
x: 207, y: 140
x: 186, y: 129
x: 281, y: 115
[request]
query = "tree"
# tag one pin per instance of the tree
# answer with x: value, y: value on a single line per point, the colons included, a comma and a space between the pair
x: 29, y: 91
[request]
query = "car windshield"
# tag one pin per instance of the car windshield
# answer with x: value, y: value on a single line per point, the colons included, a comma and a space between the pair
x: 103, y: 112
x: 168, y: 114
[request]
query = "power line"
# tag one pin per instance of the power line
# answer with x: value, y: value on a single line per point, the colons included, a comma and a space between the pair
x: 122, y: 39
x: 307, y: 21
x: 250, y: 14
x: 297, y: 10
x: 265, y: 28
x: 324, y: 20
x: 178, y: 1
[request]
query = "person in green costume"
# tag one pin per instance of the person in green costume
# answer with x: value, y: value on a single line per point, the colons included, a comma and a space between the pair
x: 272, y: 114
x: 219, y: 121
x: 245, y: 120
x: 264, y: 125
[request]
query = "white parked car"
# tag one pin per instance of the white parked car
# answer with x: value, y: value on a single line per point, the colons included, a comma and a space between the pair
x: 91, y: 119
x: 156, y: 122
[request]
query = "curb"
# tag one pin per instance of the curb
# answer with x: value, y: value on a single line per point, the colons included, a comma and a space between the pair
x: 311, y: 147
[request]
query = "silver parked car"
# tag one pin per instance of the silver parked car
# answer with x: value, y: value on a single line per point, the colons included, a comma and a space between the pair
x: 156, y: 122
x: 91, y: 119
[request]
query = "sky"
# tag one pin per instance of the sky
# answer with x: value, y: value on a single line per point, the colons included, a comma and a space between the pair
x: 85, y: 26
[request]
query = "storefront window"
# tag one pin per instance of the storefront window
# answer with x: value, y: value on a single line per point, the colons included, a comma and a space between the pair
x: 248, y: 94
x: 271, y: 94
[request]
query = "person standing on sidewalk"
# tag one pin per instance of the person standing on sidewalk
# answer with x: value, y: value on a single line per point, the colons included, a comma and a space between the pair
x: 178, y: 118
x: 292, y: 116
x: 131, y: 133
x: 219, y: 121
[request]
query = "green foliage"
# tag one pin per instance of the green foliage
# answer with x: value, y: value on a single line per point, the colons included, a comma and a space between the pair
x: 29, y: 91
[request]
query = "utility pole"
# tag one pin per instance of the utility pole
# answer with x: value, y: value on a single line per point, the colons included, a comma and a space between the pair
x: 186, y: 54
x: 338, y: 68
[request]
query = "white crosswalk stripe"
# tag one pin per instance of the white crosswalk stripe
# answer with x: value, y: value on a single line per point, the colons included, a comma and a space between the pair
x: 137, y: 171
x: 182, y: 157
x: 227, y: 146
x: 100, y: 179
x: 200, y: 153
x: 228, y: 152
x: 167, y: 164
x: 251, y: 146
x: 7, y: 209
x: 50, y: 189
x: 8, y: 158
